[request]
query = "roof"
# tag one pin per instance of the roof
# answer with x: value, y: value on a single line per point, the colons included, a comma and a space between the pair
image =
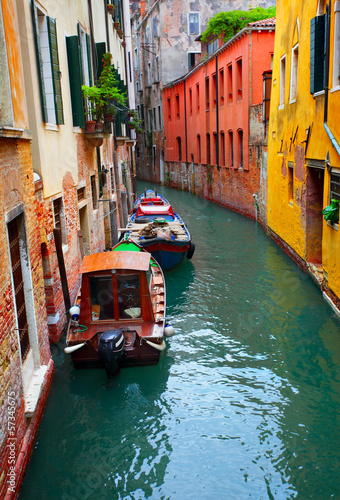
x: 265, y: 23
x: 106, y: 261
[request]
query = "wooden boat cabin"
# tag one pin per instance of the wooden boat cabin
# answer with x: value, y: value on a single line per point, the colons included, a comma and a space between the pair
x: 121, y: 310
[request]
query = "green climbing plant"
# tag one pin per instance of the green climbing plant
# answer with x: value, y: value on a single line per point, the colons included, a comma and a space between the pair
x: 331, y: 212
x: 230, y: 23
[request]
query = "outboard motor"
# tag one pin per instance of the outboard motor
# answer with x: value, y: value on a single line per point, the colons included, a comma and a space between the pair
x: 110, y: 349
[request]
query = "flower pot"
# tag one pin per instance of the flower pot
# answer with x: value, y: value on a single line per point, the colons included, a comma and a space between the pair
x: 131, y: 125
x: 108, y: 118
x: 117, y: 25
x: 90, y: 126
x: 110, y: 9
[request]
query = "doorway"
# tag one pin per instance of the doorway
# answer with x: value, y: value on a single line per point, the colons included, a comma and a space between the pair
x: 314, y: 206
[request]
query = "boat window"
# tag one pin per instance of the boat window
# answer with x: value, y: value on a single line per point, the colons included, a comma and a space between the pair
x: 129, y: 296
x: 101, y: 297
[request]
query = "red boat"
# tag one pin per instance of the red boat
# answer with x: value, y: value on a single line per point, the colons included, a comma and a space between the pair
x: 119, y: 317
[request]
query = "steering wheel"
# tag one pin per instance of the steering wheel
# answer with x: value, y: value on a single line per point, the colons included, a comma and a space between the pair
x: 131, y: 295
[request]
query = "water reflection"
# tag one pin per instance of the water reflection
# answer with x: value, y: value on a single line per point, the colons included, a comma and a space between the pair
x: 245, y: 402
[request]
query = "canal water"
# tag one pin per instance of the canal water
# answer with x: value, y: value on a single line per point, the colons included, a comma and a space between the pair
x: 244, y: 403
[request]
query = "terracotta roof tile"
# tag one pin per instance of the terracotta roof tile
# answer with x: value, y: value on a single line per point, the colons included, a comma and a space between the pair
x: 265, y: 22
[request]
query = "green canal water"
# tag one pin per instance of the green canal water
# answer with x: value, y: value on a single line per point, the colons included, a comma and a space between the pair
x: 244, y: 403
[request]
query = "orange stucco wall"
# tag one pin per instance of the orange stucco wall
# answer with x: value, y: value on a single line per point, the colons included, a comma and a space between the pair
x: 15, y: 68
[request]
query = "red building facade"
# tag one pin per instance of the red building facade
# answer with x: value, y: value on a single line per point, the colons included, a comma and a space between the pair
x: 215, y: 123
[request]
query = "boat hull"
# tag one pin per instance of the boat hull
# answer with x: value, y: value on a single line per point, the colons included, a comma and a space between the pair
x: 169, y: 254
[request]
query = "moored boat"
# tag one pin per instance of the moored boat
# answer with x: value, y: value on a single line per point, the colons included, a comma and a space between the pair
x: 119, y: 318
x: 161, y: 231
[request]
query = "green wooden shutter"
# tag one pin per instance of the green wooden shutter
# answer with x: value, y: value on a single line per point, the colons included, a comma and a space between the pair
x: 317, y: 54
x: 75, y: 75
x: 58, y: 101
x: 101, y: 49
x: 39, y: 62
x: 88, y: 50
x: 80, y: 55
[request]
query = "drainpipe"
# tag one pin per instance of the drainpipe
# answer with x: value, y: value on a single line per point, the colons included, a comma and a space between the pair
x: 217, y: 121
x: 328, y: 130
x: 106, y: 27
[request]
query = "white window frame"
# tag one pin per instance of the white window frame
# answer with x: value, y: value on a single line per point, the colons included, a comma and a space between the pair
x: 336, y: 47
x: 282, y: 80
x: 294, y: 67
x: 196, y: 22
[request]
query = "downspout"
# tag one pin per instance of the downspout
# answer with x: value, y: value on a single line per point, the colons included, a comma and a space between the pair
x: 217, y: 120
x: 185, y: 126
x: 328, y: 130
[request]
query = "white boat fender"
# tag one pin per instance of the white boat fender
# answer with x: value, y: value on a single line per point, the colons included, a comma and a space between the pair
x: 73, y: 348
x: 169, y: 330
x: 159, y: 347
x: 74, y: 313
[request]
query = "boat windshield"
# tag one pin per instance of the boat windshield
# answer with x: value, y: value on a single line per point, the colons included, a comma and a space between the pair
x: 129, y: 296
x: 101, y: 297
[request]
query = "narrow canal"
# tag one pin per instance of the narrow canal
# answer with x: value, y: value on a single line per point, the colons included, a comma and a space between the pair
x: 245, y: 402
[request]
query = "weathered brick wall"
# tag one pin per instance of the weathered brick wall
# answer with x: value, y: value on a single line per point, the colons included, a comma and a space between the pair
x: 16, y: 186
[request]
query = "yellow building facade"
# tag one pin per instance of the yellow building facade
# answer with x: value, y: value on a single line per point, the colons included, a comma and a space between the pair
x: 304, y: 136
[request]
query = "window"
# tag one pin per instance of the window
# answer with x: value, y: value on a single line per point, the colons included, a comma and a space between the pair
x: 215, y: 146
x: 214, y: 89
x: 190, y: 102
x: 179, y: 148
x: 239, y: 81
x: 81, y: 194
x: 290, y: 181
x: 240, y: 146
x: 230, y: 84
x: 169, y: 108
x: 317, y: 53
x: 282, y: 80
x: 222, y: 158
x: 294, y: 73
x: 192, y: 59
x: 129, y: 296
x: 94, y: 192
x: 221, y: 87
x: 207, y: 94
x: 147, y: 35
x: 154, y: 157
x: 231, y: 148
x: 101, y: 297
x: 194, y: 23
x: 336, y: 45
x: 155, y: 27
x: 335, y: 187
x: 154, y: 119
x: 199, y: 151
x: 148, y: 80
x: 198, y: 96
x: 177, y: 105
x: 159, y: 117
x: 59, y: 219
x: 45, y: 36
x: 208, y: 150
x: 212, y: 46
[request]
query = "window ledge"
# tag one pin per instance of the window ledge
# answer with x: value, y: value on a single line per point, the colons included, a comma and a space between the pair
x: 65, y: 248
x: 34, y: 390
x: 291, y: 203
x: 52, y: 127
x: 77, y: 130
x: 333, y: 226
x: 281, y: 106
x: 317, y: 94
x: 335, y: 89
x: 292, y: 101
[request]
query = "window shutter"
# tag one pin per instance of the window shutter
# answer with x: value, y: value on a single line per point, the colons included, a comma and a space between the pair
x: 39, y: 62
x: 317, y: 54
x: 80, y: 55
x: 88, y: 50
x: 75, y: 75
x: 101, y: 49
x: 52, y: 35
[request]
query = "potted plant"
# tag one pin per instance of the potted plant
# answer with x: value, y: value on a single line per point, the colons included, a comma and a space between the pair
x: 117, y: 25
x: 110, y: 8
x: 100, y: 99
x: 135, y: 122
x: 331, y: 212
